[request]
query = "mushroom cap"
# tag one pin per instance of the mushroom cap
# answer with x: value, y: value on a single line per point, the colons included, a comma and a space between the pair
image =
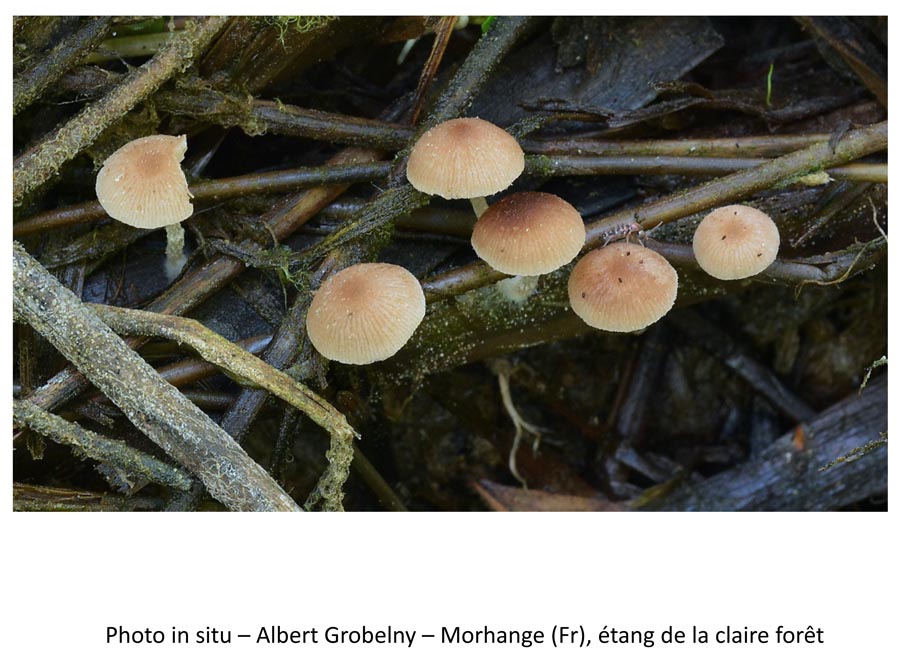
x: 622, y: 287
x: 528, y: 233
x: 365, y: 313
x: 464, y: 158
x: 736, y: 242
x: 141, y: 184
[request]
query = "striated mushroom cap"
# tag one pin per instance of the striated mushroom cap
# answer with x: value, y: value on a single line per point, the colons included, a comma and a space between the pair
x: 622, y: 287
x: 141, y: 184
x: 528, y: 234
x: 365, y: 313
x: 736, y: 242
x: 464, y: 158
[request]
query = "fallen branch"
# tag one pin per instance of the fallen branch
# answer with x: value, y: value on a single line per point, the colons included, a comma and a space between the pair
x: 156, y: 408
x: 98, y: 447
x: 248, y: 368
x: 567, y: 165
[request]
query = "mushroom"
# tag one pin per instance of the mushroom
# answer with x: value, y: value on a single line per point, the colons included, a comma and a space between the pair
x: 622, y: 287
x: 465, y: 158
x: 736, y: 242
x: 365, y: 313
x: 528, y: 233
x: 141, y: 184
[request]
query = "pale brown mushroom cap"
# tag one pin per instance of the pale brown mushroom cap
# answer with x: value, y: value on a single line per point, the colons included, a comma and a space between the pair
x: 464, y: 158
x: 528, y: 234
x: 141, y: 184
x: 622, y: 287
x: 365, y: 313
x: 736, y: 242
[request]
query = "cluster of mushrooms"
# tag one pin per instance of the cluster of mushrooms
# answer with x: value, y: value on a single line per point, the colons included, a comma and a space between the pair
x: 367, y: 312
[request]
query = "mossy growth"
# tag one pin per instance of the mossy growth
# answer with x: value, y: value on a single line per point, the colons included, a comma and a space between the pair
x: 300, y: 24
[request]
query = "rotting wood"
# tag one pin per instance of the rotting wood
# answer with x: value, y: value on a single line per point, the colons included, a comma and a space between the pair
x: 785, y: 478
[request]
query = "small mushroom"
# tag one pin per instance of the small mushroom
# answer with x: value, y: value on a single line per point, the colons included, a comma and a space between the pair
x: 622, y: 287
x: 465, y: 158
x: 365, y: 313
x: 141, y: 184
x: 736, y: 242
x: 528, y: 233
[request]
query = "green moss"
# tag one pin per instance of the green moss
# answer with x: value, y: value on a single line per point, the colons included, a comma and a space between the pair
x: 541, y: 164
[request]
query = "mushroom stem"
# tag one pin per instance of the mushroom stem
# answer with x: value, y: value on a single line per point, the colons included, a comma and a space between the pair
x: 174, y: 250
x: 479, y: 204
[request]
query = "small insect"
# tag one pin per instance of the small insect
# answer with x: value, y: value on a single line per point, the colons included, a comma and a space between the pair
x: 623, y: 231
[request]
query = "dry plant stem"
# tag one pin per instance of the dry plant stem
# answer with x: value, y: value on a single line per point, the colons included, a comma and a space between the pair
x: 442, y: 35
x: 744, y: 146
x: 38, y: 164
x: 190, y: 370
x: 99, y: 447
x: 287, y: 429
x: 821, y: 270
x: 214, y: 191
x: 258, y: 117
x: 373, y: 479
x: 31, y: 498
x: 474, y: 71
x: 278, y: 354
x: 562, y: 166
x: 238, y: 362
x: 735, y: 187
x: 199, y: 284
x: 156, y: 408
x: 376, y: 215
x: 30, y: 85
x: 851, y: 52
x: 131, y: 46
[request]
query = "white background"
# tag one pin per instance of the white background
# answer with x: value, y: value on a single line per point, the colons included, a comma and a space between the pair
x: 67, y: 577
